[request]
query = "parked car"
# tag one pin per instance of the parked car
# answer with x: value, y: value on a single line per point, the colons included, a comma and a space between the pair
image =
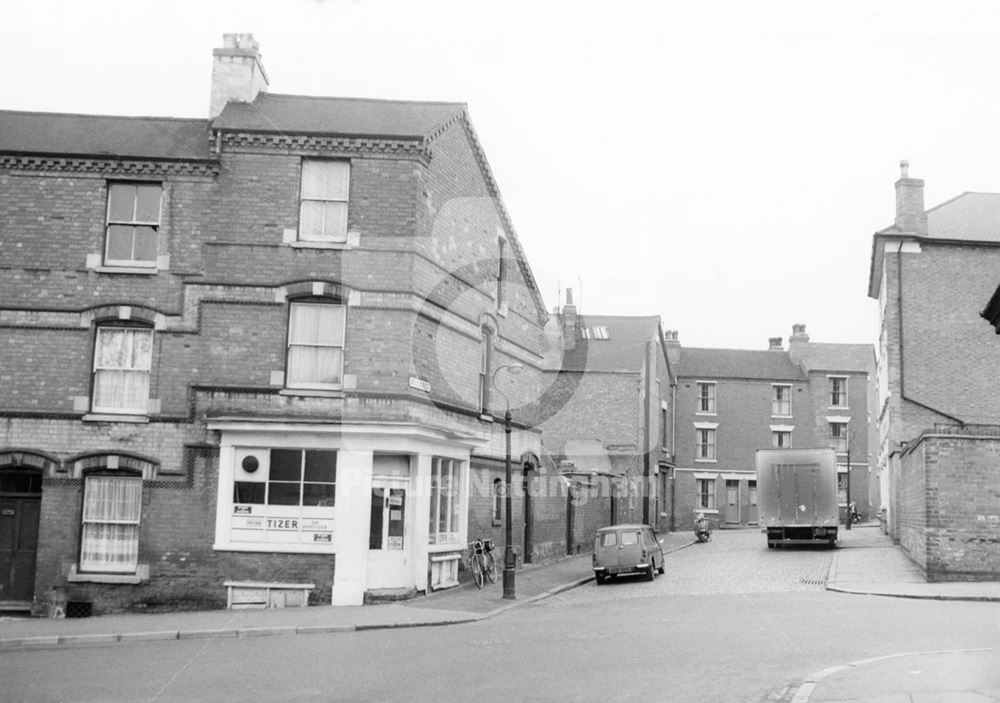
x: 627, y: 549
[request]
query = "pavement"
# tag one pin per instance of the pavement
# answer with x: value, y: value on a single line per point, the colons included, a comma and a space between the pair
x: 865, y: 563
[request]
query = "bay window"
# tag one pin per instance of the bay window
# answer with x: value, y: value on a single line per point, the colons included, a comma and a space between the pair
x: 445, y: 501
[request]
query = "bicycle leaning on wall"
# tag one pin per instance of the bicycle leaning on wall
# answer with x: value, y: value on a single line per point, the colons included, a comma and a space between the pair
x: 482, y: 563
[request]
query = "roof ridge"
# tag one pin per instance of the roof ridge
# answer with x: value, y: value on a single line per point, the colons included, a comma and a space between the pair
x: 370, y: 100
x: 116, y: 117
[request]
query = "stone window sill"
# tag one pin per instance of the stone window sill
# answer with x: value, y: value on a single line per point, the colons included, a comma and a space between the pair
x: 141, y: 574
x: 311, y: 393
x: 132, y: 270
x: 319, y: 245
x: 111, y: 417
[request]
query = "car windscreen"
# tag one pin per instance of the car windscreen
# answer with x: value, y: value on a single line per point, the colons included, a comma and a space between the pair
x: 630, y: 538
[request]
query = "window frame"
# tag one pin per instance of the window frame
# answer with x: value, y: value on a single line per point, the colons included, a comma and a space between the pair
x: 498, y: 500
x: 106, y: 328
x: 451, y: 498
x: 327, y: 198
x: 263, y: 525
x: 781, y: 439
x: 706, y: 444
x: 836, y: 396
x: 839, y: 436
x: 333, y: 304
x: 705, y: 493
x: 777, y: 404
x: 707, y: 398
x: 135, y: 223
x: 485, y: 367
x: 86, y: 566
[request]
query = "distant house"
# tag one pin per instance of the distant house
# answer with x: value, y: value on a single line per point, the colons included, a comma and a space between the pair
x: 938, y: 393
x: 606, y: 419
x: 256, y: 350
x: 732, y: 402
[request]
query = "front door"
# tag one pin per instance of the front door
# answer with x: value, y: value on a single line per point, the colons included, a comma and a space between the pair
x: 388, y: 536
x: 752, y: 499
x: 732, y: 513
x: 20, y: 508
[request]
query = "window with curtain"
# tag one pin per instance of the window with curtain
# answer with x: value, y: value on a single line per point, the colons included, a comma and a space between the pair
x: 781, y: 403
x: 315, y: 345
x: 706, y: 493
x: 122, y: 362
x: 705, y: 445
x: 838, y: 391
x: 109, y: 540
x: 838, y: 436
x: 132, y: 224
x: 323, y: 201
x: 445, y: 501
x: 706, y: 397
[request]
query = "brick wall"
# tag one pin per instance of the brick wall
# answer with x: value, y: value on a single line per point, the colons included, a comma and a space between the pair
x: 949, y: 518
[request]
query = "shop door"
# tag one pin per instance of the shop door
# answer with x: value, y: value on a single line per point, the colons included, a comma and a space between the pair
x: 732, y: 511
x: 388, y: 536
x: 18, y: 547
x: 752, y: 499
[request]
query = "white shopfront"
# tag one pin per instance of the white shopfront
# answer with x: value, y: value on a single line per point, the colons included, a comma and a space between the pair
x: 381, y: 499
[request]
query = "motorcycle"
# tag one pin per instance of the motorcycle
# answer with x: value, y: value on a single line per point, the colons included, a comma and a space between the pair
x: 702, y: 529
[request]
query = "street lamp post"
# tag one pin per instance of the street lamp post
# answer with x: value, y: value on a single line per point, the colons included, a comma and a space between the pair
x: 508, y: 554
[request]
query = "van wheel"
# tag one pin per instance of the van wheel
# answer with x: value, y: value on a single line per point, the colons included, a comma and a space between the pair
x: 662, y: 568
x: 601, y: 579
x: 650, y: 572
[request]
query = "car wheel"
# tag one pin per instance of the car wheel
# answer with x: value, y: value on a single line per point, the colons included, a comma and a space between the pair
x: 663, y: 567
x: 650, y: 572
x: 601, y: 579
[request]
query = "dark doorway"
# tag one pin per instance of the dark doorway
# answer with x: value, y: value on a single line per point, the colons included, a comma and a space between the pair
x: 20, y: 509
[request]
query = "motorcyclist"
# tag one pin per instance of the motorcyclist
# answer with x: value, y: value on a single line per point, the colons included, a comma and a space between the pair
x: 702, y: 525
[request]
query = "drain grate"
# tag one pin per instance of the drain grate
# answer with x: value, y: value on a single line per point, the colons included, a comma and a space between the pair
x: 813, y: 582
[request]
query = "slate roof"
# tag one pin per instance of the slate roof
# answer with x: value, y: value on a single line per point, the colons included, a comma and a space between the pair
x: 967, y: 217
x: 836, y: 357
x: 623, y: 350
x: 737, y: 363
x: 355, y: 117
x: 104, y: 136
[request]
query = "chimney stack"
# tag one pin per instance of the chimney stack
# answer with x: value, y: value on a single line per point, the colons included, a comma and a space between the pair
x: 237, y: 72
x: 569, y: 321
x: 798, y: 334
x: 910, y: 215
x: 775, y: 344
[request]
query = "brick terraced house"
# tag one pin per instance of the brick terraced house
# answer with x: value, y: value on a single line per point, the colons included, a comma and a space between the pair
x: 732, y: 402
x: 606, y: 419
x: 250, y: 359
x: 932, y: 271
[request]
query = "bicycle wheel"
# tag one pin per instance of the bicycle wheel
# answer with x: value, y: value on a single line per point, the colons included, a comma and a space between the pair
x: 491, y: 568
x: 477, y: 569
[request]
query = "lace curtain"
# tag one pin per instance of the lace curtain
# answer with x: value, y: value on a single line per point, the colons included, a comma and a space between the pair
x: 111, y: 509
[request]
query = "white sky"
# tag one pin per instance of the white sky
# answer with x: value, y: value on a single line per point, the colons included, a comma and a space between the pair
x: 722, y: 164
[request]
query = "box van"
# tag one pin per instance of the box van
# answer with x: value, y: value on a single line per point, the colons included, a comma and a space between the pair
x: 627, y: 549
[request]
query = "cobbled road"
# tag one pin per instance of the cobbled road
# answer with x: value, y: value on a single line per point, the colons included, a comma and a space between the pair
x: 733, y: 562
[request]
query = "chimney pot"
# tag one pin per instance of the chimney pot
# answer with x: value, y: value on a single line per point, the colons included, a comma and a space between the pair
x: 775, y: 344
